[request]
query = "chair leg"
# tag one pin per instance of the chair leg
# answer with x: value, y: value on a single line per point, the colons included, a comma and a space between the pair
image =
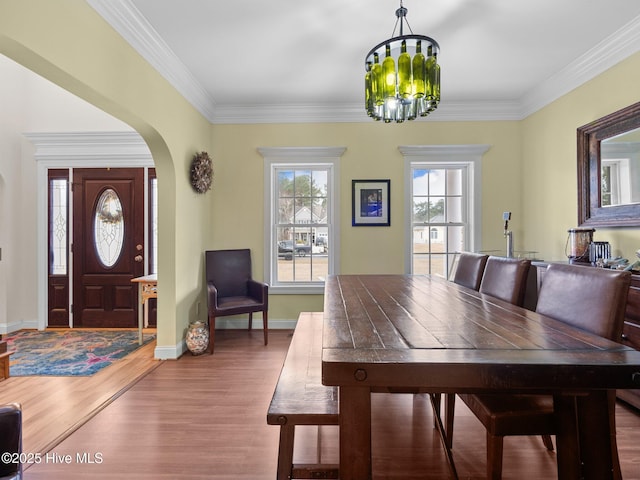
x: 436, y: 400
x: 250, y: 320
x: 265, y: 327
x: 449, y: 413
x: 494, y: 457
x: 546, y: 439
x: 212, y: 333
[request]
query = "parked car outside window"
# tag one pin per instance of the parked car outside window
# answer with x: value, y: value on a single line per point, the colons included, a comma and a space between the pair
x: 286, y: 249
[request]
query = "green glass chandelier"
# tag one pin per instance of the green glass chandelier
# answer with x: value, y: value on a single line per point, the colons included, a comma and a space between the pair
x: 402, y: 79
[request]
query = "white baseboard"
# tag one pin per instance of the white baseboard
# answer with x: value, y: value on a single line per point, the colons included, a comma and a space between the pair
x: 175, y: 351
x: 170, y: 352
x: 236, y: 323
x: 15, y: 326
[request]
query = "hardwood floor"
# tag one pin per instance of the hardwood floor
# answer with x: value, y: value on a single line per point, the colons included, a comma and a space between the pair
x: 205, y: 417
x: 53, y: 407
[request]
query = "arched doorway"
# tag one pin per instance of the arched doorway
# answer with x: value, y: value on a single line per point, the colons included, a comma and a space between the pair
x: 3, y: 243
x: 105, y: 71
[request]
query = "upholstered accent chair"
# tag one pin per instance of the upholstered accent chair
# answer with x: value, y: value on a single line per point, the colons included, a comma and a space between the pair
x: 231, y: 290
x: 11, y: 439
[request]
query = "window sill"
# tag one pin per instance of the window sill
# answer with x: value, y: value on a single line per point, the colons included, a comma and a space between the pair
x: 296, y: 290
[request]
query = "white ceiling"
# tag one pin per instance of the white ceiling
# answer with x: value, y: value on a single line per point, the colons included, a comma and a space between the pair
x: 241, y: 61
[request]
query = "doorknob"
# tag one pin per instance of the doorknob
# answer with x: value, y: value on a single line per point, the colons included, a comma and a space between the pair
x: 138, y: 258
x: 139, y: 247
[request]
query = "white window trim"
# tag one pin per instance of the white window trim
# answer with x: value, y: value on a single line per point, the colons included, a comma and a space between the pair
x: 275, y: 157
x: 442, y: 156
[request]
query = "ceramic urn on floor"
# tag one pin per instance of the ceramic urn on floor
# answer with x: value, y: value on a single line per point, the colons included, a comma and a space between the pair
x: 197, y: 337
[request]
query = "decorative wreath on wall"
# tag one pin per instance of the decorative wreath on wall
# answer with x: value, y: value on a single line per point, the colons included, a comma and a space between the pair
x: 201, y: 172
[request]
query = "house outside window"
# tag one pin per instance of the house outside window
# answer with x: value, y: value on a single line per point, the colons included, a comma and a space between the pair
x: 301, y: 231
x: 442, y: 199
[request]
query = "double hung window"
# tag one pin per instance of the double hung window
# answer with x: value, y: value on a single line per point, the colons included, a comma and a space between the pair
x: 300, y: 211
x: 443, y: 205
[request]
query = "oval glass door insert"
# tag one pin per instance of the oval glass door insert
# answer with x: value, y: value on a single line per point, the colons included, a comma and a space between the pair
x: 108, y: 228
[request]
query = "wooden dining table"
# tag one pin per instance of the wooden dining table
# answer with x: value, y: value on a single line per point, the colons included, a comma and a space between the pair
x: 418, y: 331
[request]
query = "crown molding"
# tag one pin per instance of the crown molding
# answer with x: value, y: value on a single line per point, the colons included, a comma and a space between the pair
x: 127, y: 20
x: 289, y: 114
x: 612, y: 50
x: 470, y: 111
x: 446, y: 112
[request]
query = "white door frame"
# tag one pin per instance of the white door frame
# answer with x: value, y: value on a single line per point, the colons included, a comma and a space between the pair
x: 76, y: 150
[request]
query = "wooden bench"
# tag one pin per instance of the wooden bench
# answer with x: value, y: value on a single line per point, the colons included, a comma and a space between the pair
x: 300, y: 398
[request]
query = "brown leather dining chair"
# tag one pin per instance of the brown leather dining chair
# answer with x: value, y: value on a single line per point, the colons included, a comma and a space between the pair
x: 505, y: 278
x: 469, y: 269
x: 11, y: 440
x: 468, y: 273
x: 231, y: 290
x: 592, y: 299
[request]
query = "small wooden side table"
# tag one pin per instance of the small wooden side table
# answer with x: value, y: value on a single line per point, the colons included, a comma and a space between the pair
x: 147, y: 288
x: 4, y: 360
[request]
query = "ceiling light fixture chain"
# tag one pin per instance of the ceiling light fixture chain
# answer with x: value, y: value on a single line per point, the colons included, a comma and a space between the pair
x: 401, y: 14
x: 402, y: 86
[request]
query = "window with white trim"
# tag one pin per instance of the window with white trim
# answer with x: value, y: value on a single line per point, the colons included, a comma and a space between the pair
x: 443, y: 205
x: 301, y: 201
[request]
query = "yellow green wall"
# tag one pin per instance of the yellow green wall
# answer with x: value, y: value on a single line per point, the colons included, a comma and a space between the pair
x: 67, y: 42
x: 530, y: 168
x: 371, y: 153
x: 549, y: 161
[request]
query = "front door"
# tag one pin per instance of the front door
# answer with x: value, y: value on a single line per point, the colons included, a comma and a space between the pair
x: 108, y: 249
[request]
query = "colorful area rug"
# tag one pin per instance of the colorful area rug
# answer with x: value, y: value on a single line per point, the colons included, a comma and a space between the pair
x: 68, y: 352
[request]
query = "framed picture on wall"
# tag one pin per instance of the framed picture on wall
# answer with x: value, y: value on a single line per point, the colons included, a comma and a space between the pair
x: 370, y: 203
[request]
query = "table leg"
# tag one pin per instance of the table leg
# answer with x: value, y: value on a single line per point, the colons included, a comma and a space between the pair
x: 355, y: 433
x: 146, y: 313
x: 568, y: 456
x: 140, y: 312
x: 596, y: 427
x: 586, y: 442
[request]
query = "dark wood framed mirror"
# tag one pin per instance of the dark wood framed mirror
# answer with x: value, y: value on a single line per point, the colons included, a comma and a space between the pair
x: 609, y: 170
